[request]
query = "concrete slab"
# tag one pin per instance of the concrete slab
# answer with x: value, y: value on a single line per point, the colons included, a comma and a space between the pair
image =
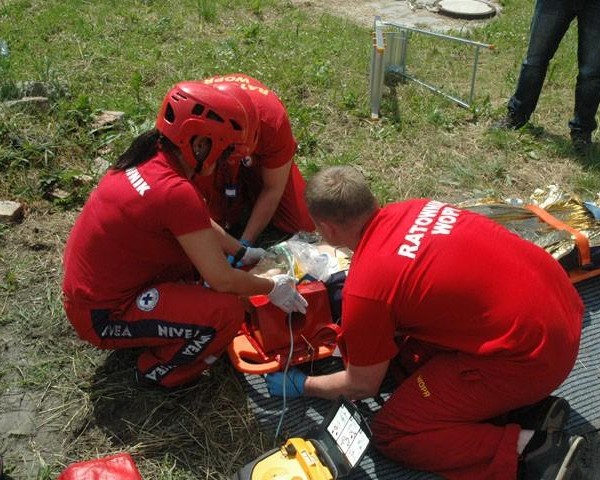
x: 412, y: 13
x: 467, y: 9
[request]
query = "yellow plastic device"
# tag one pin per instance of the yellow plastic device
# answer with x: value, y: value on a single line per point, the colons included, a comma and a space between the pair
x: 329, y: 452
x: 297, y: 459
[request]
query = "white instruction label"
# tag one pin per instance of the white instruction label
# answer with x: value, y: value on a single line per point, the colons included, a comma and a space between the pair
x: 346, y: 432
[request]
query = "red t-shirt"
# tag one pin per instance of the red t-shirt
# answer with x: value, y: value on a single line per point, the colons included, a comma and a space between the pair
x: 276, y: 144
x: 457, y: 280
x: 276, y: 147
x: 124, y: 238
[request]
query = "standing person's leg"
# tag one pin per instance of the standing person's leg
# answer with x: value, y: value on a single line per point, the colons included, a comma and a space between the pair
x: 436, y: 419
x: 587, y: 90
x: 550, y: 21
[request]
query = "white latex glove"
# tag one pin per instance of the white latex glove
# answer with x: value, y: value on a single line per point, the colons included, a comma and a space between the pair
x: 252, y: 255
x: 285, y: 296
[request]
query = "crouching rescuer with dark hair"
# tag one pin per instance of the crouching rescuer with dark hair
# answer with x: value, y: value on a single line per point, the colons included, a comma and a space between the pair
x: 145, y: 266
x: 477, y: 325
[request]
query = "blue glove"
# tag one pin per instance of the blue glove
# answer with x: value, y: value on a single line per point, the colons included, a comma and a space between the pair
x: 294, y: 384
x: 230, y: 258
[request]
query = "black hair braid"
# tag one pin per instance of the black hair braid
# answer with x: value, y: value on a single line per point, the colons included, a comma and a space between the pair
x: 142, y: 149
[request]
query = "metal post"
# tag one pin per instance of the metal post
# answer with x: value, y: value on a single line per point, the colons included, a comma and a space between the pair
x: 473, y: 73
x: 395, y: 52
x: 377, y: 69
x: 390, y: 51
x: 406, y: 36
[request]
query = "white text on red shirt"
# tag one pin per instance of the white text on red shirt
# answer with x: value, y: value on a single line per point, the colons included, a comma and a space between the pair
x: 435, y: 218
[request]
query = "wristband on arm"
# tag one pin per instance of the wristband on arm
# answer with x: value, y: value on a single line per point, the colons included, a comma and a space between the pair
x: 238, y: 255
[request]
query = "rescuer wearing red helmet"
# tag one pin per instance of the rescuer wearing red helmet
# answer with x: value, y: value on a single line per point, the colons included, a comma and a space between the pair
x: 261, y: 184
x: 145, y: 266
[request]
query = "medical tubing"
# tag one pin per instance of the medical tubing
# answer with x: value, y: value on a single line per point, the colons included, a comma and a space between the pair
x: 290, y: 261
x: 288, y: 256
x: 285, y: 370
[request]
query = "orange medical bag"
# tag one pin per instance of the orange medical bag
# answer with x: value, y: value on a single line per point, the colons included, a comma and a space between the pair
x: 263, y: 343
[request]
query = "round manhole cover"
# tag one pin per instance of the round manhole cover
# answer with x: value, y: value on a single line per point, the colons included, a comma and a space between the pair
x: 466, y: 8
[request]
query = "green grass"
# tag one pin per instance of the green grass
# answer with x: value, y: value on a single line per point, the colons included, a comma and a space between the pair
x: 124, y: 55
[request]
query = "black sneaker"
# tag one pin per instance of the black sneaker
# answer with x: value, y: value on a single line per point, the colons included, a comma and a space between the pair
x: 554, y: 459
x: 510, y: 122
x: 582, y: 142
x: 551, y: 413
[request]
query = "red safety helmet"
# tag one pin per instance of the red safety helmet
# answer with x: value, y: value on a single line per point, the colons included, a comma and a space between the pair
x: 223, y: 114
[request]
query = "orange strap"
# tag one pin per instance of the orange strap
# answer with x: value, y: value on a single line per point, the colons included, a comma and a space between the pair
x: 582, y: 242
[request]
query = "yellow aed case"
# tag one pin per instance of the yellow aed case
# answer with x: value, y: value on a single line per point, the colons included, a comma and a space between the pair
x: 297, y: 459
x: 329, y: 453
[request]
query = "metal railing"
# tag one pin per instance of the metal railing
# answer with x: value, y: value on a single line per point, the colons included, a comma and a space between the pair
x: 390, y: 51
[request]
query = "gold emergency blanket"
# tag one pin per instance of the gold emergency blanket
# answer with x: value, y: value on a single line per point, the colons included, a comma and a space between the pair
x: 565, y: 207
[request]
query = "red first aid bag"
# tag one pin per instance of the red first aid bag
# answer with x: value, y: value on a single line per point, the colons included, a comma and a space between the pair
x: 115, y: 467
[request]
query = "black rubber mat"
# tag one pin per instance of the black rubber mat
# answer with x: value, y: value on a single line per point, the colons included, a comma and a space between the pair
x: 581, y: 389
x: 303, y: 414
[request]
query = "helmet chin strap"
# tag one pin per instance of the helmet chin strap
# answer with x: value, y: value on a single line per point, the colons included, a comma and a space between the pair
x: 199, y: 165
x: 226, y: 153
x: 201, y: 159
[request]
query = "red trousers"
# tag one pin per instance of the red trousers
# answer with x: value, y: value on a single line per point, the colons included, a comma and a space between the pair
x: 184, y: 327
x: 436, y: 419
x: 291, y: 215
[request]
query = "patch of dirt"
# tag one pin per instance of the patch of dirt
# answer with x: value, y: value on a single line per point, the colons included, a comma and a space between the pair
x: 32, y: 417
x: 411, y: 13
x: 63, y: 401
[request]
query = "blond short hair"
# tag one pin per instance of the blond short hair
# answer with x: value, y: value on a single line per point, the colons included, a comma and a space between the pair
x: 339, y: 194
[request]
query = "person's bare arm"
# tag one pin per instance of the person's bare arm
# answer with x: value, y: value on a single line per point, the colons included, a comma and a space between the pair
x: 274, y: 182
x: 204, y: 249
x: 228, y: 243
x: 354, y: 383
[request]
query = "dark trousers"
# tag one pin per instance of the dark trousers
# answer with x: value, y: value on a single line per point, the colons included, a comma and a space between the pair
x: 550, y: 22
